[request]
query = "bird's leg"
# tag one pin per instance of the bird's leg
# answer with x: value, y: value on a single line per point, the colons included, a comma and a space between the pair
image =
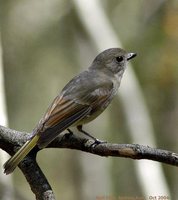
x: 97, y: 141
x: 70, y: 132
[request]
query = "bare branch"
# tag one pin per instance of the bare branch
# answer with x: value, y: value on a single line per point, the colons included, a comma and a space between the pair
x: 11, y: 140
x: 134, y: 151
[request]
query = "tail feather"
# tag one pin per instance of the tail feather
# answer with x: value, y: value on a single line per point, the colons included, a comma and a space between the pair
x: 12, y: 163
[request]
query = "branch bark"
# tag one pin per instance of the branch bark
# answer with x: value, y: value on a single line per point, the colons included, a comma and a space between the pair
x: 11, y: 141
x: 133, y: 151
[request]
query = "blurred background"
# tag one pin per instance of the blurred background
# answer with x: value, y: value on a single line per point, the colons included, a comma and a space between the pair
x: 45, y: 43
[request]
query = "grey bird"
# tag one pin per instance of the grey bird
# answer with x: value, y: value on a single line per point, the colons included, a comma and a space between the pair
x: 83, y: 98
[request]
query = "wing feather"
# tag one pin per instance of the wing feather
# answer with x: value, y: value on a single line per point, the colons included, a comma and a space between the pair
x: 58, y: 118
x: 78, y: 101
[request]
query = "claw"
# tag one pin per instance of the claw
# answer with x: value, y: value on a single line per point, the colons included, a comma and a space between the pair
x: 97, y: 142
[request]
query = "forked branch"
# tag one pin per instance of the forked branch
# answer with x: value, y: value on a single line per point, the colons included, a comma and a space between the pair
x: 11, y: 141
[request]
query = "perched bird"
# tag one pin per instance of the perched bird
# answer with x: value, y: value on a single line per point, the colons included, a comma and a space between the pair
x: 83, y: 98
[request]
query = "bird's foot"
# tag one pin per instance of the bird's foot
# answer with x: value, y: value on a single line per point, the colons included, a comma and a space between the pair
x: 97, y: 142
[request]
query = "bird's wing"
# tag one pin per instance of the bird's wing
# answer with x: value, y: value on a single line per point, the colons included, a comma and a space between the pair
x: 60, y: 115
x: 71, y: 106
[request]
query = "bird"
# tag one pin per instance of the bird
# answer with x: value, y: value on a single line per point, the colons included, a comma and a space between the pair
x: 81, y: 100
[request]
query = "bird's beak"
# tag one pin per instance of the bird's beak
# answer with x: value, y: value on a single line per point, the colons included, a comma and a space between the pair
x: 131, y: 55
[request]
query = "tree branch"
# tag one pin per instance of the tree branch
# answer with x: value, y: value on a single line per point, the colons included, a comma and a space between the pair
x: 133, y: 151
x: 11, y: 141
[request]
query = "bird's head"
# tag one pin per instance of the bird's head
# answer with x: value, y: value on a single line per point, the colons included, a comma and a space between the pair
x: 113, y: 59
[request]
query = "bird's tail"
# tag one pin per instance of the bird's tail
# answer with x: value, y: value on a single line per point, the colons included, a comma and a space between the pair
x: 12, y: 163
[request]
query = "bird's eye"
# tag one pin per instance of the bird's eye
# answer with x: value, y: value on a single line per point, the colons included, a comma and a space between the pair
x: 119, y: 59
